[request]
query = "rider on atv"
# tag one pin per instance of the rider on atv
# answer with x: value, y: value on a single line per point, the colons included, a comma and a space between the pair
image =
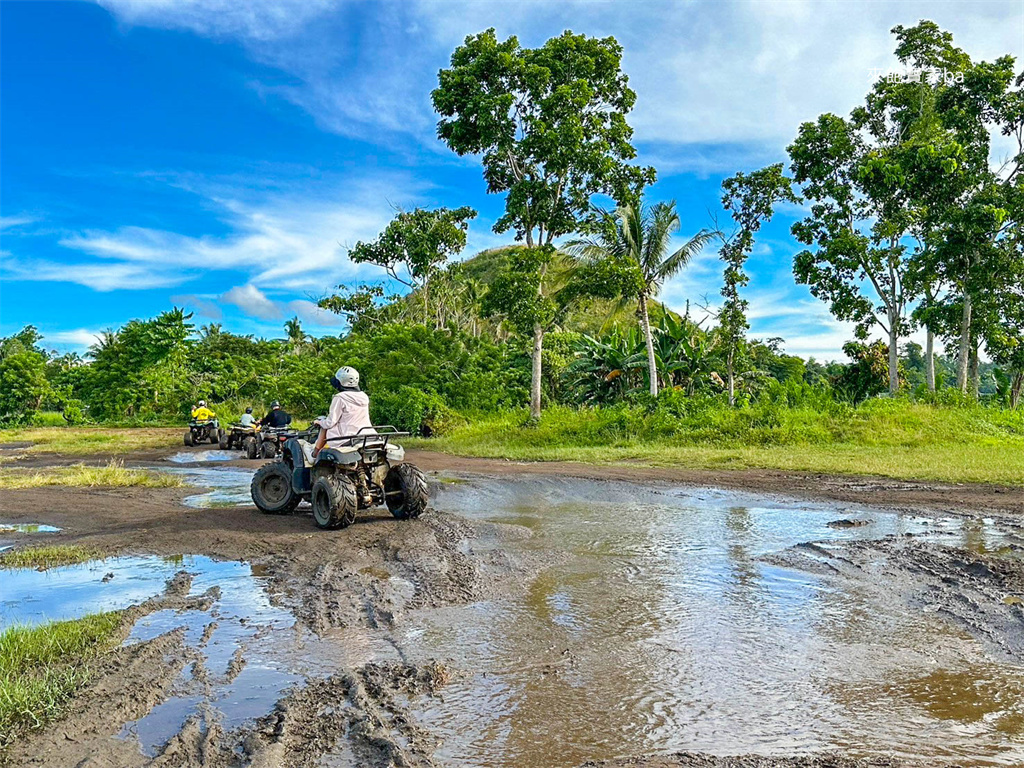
x: 277, y: 417
x: 202, y: 413
x: 350, y: 409
x: 247, y: 419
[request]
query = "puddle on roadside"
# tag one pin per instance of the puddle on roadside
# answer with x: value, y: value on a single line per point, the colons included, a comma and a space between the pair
x: 197, y: 457
x: 229, y: 485
x: 668, y: 631
x: 27, y: 528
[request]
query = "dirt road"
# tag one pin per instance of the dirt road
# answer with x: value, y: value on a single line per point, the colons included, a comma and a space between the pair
x: 370, y: 575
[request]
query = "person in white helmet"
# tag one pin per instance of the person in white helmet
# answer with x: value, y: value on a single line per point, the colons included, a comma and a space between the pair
x: 350, y: 409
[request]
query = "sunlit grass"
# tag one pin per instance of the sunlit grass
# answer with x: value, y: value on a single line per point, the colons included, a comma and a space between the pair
x: 83, y: 441
x: 112, y: 475
x: 894, y: 439
x: 47, y: 556
x: 41, y: 668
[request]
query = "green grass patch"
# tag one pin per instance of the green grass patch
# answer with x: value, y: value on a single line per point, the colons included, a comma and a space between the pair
x: 48, y: 556
x: 111, y: 475
x: 41, y: 668
x: 85, y: 441
x: 894, y: 438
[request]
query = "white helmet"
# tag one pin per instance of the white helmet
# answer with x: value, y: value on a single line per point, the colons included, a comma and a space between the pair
x: 202, y: 403
x: 347, y: 376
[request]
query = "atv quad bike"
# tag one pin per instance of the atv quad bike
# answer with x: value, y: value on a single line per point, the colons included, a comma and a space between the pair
x: 201, y: 430
x: 236, y: 435
x: 270, y: 441
x: 357, y: 472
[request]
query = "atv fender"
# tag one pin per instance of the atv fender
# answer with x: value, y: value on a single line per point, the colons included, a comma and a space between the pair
x: 302, y: 480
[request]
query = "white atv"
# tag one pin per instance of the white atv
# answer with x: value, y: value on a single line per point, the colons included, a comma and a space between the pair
x: 353, y: 472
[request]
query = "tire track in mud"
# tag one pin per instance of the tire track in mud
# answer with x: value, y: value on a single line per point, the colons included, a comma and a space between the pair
x: 982, y: 593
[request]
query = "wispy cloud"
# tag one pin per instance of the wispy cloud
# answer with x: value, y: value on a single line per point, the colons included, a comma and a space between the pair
x: 252, y: 301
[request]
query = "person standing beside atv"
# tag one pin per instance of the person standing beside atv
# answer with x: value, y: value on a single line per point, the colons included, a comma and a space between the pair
x: 350, y: 409
x: 277, y: 417
x: 247, y: 419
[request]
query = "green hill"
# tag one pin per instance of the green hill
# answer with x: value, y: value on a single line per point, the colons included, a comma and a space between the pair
x: 597, y: 316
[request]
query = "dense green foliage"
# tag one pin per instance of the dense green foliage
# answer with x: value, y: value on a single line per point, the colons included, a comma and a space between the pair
x: 906, y: 223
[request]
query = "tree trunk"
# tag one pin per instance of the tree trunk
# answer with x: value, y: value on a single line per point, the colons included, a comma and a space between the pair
x: 1017, y: 389
x: 965, y: 345
x: 652, y: 363
x: 538, y: 348
x: 731, y: 376
x: 975, y: 372
x: 894, y: 359
x: 929, y: 362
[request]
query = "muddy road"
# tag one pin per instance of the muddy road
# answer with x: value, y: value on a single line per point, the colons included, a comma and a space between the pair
x: 537, y: 616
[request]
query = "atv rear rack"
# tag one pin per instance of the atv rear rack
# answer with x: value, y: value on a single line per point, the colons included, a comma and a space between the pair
x: 372, y: 437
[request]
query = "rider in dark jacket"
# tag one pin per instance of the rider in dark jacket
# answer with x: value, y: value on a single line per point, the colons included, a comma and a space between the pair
x: 277, y: 416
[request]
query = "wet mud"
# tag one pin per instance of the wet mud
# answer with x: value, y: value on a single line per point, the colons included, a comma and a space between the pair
x: 531, y: 619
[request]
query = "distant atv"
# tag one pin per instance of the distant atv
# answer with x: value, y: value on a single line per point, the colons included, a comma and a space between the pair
x: 270, y: 441
x: 199, y: 431
x: 236, y: 435
x: 357, y: 472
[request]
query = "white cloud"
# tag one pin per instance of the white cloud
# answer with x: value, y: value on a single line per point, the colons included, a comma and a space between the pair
x: 79, y: 339
x: 98, y: 276
x: 252, y: 301
x: 734, y: 75
x: 10, y: 222
x: 310, y: 313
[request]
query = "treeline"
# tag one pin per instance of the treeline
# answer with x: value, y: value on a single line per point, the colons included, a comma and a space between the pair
x: 420, y: 377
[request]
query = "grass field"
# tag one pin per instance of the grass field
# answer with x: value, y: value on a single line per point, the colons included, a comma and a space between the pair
x: 112, y: 475
x: 41, y: 667
x: 85, y: 441
x: 47, y: 556
x: 891, y: 438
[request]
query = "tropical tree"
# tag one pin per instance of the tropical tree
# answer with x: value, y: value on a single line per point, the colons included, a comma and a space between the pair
x: 638, y: 238
x: 549, y: 124
x: 751, y: 198
x: 412, y: 248
x: 297, y: 337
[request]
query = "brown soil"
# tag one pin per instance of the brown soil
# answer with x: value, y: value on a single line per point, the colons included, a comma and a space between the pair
x: 339, y: 579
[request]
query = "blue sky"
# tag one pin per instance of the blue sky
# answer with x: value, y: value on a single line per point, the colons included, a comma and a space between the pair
x: 222, y: 155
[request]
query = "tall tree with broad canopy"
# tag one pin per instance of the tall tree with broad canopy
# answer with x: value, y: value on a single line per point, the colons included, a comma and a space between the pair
x: 885, y: 175
x: 414, y: 246
x: 549, y: 124
x: 751, y: 199
x: 637, y: 238
x: 963, y: 207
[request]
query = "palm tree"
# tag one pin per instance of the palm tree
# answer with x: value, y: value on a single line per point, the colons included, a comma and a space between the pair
x: 296, y: 336
x: 638, y: 236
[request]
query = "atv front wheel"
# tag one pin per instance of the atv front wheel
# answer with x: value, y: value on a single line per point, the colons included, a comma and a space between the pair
x: 251, y: 449
x: 272, y: 489
x: 223, y: 439
x: 405, y: 491
x: 189, y: 440
x: 334, y: 502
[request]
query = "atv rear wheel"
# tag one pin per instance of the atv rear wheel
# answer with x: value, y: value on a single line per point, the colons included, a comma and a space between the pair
x: 223, y: 440
x: 272, y: 489
x: 268, y: 450
x: 214, y: 436
x: 405, y: 491
x: 334, y: 502
x: 189, y: 440
x: 250, y: 447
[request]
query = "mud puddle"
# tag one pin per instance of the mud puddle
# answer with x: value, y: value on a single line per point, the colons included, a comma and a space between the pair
x: 662, y: 620
x: 229, y: 485
x: 198, y: 457
x: 670, y: 630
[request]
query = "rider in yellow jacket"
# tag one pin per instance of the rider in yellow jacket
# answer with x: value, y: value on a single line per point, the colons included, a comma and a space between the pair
x: 201, y: 412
